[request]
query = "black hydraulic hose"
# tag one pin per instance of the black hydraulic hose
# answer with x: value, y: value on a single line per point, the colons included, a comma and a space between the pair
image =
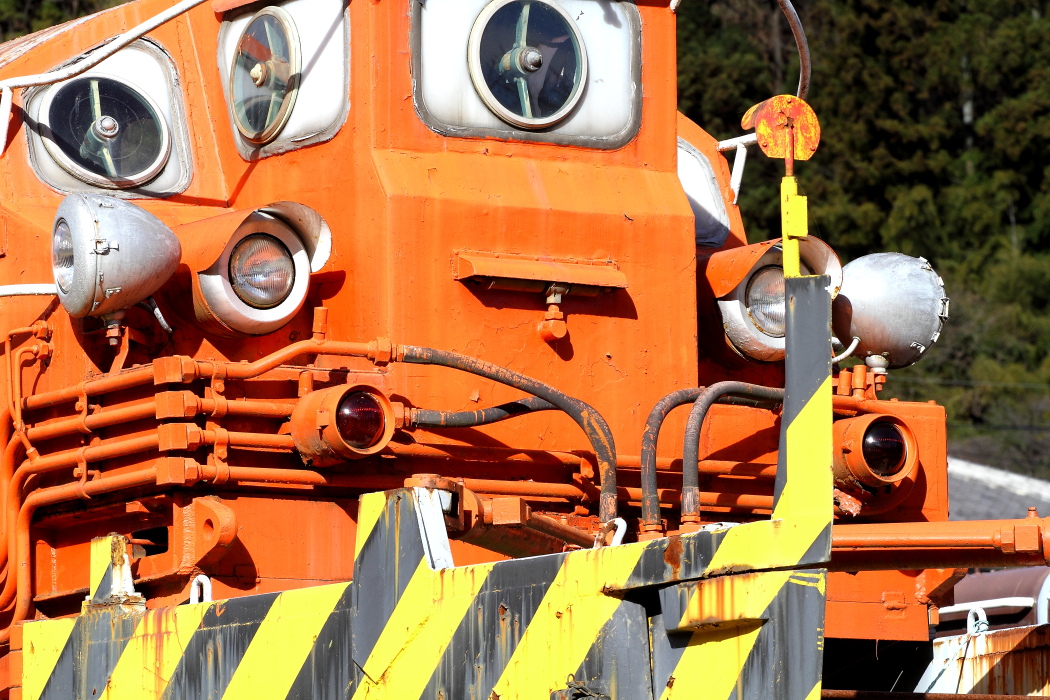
x: 650, y: 497
x: 425, y: 418
x: 590, y: 421
x: 651, y: 519
x: 805, y: 63
x: 691, y: 450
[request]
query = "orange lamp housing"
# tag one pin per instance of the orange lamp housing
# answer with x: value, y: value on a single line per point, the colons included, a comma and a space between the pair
x: 212, y: 247
x: 340, y: 423
x: 873, y: 454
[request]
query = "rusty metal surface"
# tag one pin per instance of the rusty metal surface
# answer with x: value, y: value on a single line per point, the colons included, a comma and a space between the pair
x: 1007, y: 661
x: 409, y: 626
x: 786, y: 127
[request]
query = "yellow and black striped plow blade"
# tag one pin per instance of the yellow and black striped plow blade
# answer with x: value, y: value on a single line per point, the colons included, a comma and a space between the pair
x: 659, y: 619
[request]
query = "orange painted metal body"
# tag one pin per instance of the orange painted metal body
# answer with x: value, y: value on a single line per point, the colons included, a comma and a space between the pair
x: 186, y: 450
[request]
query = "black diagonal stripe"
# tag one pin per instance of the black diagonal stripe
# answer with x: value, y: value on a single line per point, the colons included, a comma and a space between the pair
x: 679, y: 557
x: 90, y: 654
x: 807, y: 355
x: 329, y: 672
x: 492, y: 627
x: 820, y: 551
x: 667, y: 651
x: 214, y: 651
x: 382, y: 571
x: 613, y: 666
x: 788, y: 656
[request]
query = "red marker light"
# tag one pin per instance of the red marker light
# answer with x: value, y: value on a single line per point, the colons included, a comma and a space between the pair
x: 361, y: 420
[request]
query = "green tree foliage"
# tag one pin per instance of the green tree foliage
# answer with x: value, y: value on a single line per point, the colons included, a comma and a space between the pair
x: 19, y: 17
x: 936, y: 127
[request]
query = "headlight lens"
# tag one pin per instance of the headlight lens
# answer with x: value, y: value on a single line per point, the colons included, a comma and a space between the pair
x: 62, y: 256
x: 765, y: 300
x: 261, y: 271
x: 885, y: 449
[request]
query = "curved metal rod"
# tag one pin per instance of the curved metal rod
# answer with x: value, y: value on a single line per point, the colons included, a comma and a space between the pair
x: 691, y: 450
x: 805, y: 63
x: 650, y: 497
x: 590, y: 421
x: 651, y: 520
x: 848, y: 351
x: 425, y: 418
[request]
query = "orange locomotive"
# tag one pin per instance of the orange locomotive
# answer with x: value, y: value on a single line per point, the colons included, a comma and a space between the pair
x: 260, y: 260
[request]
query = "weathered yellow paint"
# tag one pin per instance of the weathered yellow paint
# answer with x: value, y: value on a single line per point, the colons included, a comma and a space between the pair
x: 101, y: 560
x: 712, y: 662
x: 765, y: 545
x: 567, y: 622
x: 420, y: 629
x: 729, y: 600
x: 814, y: 580
x: 42, y: 644
x: 794, y: 216
x: 370, y: 509
x: 282, y: 643
x: 153, y: 653
x: 809, y: 453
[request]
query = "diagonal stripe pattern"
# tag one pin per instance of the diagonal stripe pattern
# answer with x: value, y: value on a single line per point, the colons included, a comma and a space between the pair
x: 542, y: 627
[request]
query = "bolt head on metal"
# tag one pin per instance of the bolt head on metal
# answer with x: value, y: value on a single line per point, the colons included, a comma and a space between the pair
x: 259, y: 73
x: 531, y: 59
x: 105, y: 127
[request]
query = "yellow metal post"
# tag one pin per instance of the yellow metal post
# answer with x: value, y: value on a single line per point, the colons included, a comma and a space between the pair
x: 794, y: 218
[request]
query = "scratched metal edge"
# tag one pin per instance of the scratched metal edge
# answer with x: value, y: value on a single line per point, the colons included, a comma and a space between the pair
x: 497, y: 618
x: 807, y: 356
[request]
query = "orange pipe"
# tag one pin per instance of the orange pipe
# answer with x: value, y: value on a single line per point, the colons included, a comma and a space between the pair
x: 118, y: 447
x: 204, y: 369
x: 60, y: 460
x: 250, y: 409
x: 50, y: 496
x: 470, y: 453
x: 127, y: 414
x: 91, y: 387
x: 91, y: 422
x: 7, y: 358
x: 12, y: 454
x: 17, y: 389
x: 943, y: 545
x: 711, y: 467
x: 259, y: 440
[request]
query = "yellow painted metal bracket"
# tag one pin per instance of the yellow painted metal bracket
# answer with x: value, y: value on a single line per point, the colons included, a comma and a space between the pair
x: 794, y: 217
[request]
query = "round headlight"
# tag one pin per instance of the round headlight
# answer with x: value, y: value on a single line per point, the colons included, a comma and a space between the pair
x: 62, y: 256
x: 265, y: 75
x: 527, y: 62
x: 885, y: 449
x: 262, y: 271
x: 361, y: 420
x: 765, y: 300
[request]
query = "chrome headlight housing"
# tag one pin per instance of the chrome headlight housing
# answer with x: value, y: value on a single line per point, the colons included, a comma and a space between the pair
x: 260, y: 279
x: 748, y: 283
x: 108, y: 254
x: 895, y: 304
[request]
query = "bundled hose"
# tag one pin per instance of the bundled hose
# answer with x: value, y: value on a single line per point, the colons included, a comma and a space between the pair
x: 691, y: 450
x: 650, y: 436
x: 590, y: 421
x: 426, y: 418
x: 651, y: 520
